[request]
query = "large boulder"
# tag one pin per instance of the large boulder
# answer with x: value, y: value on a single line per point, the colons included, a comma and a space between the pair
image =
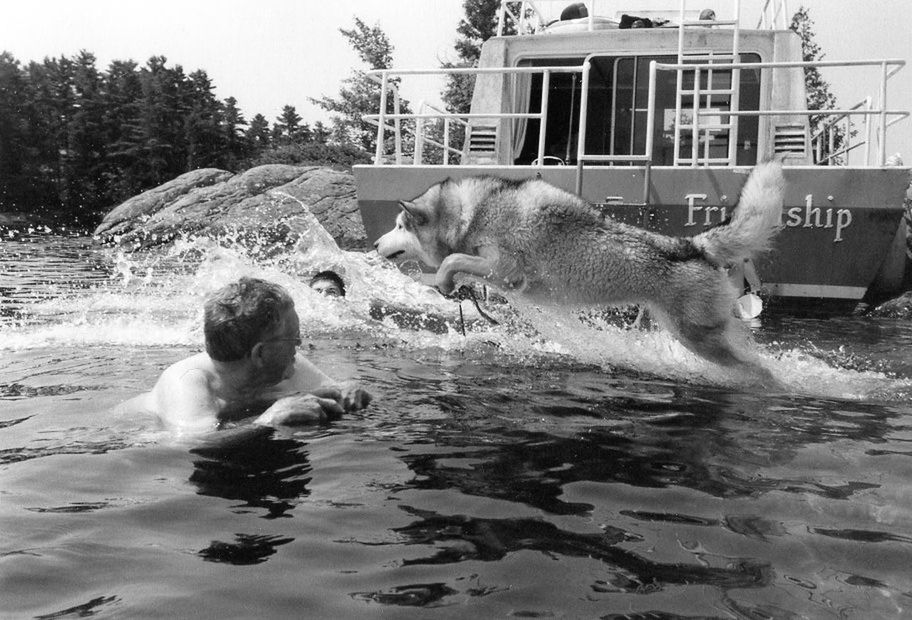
x: 267, y: 203
x: 125, y: 216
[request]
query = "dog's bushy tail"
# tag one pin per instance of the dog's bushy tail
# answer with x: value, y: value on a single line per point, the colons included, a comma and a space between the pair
x: 755, y: 220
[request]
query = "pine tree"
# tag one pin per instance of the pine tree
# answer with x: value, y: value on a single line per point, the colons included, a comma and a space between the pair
x: 233, y: 125
x: 319, y: 134
x: 122, y: 94
x: 51, y: 109
x: 359, y: 95
x: 153, y: 137
x: 204, y: 139
x: 819, y: 96
x: 258, y: 134
x: 287, y: 127
x: 86, y: 151
x: 15, y: 165
x: 478, y: 25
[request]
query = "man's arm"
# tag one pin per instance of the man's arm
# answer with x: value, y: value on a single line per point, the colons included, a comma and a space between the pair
x: 308, y: 379
x: 347, y: 393
x: 300, y: 409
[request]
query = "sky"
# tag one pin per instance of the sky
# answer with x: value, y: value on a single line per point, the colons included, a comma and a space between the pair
x: 280, y: 52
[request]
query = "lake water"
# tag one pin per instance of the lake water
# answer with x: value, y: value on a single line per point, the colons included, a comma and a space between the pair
x: 549, y: 466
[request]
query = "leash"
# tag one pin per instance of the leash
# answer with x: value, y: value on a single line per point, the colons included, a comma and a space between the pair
x: 466, y: 292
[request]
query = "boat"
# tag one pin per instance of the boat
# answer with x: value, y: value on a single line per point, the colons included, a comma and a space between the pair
x: 655, y: 117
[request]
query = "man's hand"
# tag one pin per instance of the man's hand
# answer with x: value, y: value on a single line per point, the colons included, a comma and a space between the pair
x: 348, y: 395
x: 301, y: 409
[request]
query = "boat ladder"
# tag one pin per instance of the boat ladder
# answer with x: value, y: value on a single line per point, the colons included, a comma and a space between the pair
x: 711, y: 93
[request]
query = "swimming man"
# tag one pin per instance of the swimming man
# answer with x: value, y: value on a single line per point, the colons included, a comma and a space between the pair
x: 329, y: 283
x: 250, y: 363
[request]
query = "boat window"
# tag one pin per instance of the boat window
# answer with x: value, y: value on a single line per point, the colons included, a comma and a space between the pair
x: 616, y: 118
x: 563, y: 112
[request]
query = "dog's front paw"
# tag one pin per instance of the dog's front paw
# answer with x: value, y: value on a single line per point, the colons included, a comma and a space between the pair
x: 445, y: 283
x: 449, y: 292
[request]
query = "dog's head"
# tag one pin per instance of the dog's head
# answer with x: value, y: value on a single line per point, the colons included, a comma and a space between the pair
x: 416, y: 234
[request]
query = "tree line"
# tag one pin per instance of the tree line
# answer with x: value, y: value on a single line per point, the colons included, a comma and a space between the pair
x: 76, y: 140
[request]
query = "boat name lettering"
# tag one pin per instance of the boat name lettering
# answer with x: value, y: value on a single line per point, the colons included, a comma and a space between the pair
x: 810, y: 216
x: 807, y: 216
x: 708, y: 210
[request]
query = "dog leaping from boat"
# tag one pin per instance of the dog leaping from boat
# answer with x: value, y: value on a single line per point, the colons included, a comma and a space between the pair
x: 552, y: 246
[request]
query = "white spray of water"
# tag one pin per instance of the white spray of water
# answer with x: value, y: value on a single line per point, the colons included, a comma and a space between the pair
x: 155, y: 299
x: 656, y: 352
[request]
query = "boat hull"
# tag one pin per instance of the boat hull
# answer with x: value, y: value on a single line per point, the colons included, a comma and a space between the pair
x: 840, y: 225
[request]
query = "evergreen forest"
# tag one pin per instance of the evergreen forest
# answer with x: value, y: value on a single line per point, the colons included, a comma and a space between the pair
x: 76, y: 141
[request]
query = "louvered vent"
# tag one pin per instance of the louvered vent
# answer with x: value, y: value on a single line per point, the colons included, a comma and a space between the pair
x: 790, y: 141
x: 483, y: 143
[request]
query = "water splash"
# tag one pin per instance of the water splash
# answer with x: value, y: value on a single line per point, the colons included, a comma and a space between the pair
x: 154, y: 298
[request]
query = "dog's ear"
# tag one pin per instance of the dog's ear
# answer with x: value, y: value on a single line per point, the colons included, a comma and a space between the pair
x: 414, y: 211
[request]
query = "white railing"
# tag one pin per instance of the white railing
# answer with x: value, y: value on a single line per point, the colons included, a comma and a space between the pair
x: 421, y: 139
x: 825, y: 145
x: 392, y: 122
x: 886, y: 116
x: 387, y: 85
x: 824, y: 141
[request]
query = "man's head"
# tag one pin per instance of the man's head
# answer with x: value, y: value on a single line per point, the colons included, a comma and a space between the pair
x: 329, y: 283
x: 244, y: 313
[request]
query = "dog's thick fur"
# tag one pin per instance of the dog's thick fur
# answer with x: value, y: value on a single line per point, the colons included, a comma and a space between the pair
x: 552, y: 245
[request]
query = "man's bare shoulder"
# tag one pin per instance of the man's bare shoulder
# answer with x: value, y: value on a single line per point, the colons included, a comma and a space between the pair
x: 192, y: 372
x: 192, y: 368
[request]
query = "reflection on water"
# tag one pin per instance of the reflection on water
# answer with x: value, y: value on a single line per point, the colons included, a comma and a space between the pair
x: 604, y: 473
x: 463, y: 539
x: 263, y: 472
x: 246, y: 549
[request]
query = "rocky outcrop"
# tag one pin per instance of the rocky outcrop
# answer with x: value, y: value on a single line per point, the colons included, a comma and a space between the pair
x: 268, y: 202
x: 898, y: 308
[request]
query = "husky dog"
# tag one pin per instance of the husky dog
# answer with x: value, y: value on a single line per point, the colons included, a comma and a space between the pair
x: 554, y: 247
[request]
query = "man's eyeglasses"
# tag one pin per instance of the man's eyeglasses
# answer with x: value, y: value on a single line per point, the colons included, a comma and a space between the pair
x: 297, y: 340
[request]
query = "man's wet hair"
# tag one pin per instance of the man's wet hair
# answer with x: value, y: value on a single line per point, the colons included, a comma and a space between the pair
x: 239, y: 315
x: 332, y: 276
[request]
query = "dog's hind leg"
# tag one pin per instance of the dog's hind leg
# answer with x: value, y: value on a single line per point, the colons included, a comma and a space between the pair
x: 710, y: 341
x: 714, y: 342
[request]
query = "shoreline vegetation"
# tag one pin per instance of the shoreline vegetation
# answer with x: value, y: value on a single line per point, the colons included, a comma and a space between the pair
x: 75, y: 141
